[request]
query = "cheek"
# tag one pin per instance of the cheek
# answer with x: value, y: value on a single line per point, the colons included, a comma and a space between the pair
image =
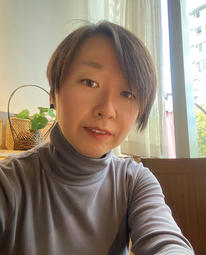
x: 129, y: 122
x: 69, y: 100
x: 125, y: 125
x: 64, y: 106
x: 128, y: 116
x: 71, y: 106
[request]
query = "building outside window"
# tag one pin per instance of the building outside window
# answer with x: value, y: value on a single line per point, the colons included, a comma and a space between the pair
x: 196, y: 13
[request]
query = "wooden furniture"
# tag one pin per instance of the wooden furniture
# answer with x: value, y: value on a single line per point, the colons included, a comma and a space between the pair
x: 5, y: 153
x: 1, y: 132
x: 184, y: 185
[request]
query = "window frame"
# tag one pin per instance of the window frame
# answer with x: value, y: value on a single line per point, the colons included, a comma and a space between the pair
x: 183, y: 99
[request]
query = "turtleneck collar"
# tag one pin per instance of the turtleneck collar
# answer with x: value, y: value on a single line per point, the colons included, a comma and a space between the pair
x: 71, y: 167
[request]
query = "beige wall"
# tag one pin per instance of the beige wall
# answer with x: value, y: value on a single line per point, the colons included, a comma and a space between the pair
x: 30, y: 31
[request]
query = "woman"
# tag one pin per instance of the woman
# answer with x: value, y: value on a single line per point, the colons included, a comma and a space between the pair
x: 72, y: 195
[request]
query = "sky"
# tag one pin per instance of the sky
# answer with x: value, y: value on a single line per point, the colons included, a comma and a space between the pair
x: 195, y: 3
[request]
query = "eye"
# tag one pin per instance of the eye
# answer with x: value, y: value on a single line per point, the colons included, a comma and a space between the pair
x: 90, y: 83
x: 128, y: 94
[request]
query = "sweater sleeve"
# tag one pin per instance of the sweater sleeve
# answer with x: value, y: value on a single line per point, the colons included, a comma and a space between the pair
x: 152, y: 227
x: 7, y: 201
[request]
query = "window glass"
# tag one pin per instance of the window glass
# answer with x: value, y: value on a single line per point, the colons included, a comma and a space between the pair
x: 196, y: 14
x: 195, y: 30
x: 167, y: 87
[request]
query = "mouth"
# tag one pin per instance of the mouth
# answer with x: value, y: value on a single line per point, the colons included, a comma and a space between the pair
x: 97, y: 132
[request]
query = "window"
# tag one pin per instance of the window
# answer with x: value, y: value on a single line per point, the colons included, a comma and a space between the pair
x: 177, y: 48
x: 188, y: 75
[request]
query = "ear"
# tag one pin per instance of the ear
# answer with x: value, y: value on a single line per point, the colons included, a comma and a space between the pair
x: 52, y: 101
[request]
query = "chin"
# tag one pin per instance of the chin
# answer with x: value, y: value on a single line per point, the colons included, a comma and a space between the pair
x: 91, y: 151
x: 92, y: 155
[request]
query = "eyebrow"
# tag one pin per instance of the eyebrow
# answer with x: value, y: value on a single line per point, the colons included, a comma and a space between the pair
x: 92, y: 64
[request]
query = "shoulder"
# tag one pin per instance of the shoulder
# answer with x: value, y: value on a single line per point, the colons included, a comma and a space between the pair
x: 135, y: 176
x: 132, y: 169
x: 19, y: 167
x: 28, y: 157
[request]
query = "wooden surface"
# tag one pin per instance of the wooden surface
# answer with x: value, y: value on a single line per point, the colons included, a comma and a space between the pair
x: 1, y: 131
x: 184, y: 184
x: 5, y: 153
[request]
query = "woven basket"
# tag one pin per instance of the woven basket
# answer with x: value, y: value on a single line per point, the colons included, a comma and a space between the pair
x: 26, y: 139
x: 18, y: 133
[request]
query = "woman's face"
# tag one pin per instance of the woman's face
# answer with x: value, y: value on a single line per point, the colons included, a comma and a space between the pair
x: 95, y: 107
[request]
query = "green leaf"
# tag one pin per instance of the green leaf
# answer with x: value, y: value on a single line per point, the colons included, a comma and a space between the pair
x: 51, y: 113
x: 38, y: 122
x: 201, y: 131
x: 42, y: 113
x: 35, y: 116
x: 23, y: 114
x: 43, y: 109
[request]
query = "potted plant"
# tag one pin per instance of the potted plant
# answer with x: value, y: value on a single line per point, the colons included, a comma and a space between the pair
x: 24, y: 131
x: 38, y: 120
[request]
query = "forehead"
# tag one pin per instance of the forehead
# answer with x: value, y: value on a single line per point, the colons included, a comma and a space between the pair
x: 99, y: 48
x: 97, y: 55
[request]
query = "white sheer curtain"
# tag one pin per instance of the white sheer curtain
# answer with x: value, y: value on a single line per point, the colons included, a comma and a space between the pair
x: 143, y: 18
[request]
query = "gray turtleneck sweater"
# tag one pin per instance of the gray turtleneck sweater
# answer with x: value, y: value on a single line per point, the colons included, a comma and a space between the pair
x: 54, y: 201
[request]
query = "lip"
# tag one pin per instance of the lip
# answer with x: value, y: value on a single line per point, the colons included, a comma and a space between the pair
x: 101, y: 137
x: 100, y: 129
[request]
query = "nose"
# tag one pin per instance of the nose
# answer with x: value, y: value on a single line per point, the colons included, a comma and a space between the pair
x: 105, y: 107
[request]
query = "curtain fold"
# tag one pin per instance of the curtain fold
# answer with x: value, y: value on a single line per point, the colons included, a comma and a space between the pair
x: 143, y: 18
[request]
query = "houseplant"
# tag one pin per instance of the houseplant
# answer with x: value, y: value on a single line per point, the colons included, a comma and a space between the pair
x: 24, y: 130
x: 38, y: 120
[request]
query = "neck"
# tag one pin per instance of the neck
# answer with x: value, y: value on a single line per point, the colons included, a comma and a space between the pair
x: 71, y: 166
